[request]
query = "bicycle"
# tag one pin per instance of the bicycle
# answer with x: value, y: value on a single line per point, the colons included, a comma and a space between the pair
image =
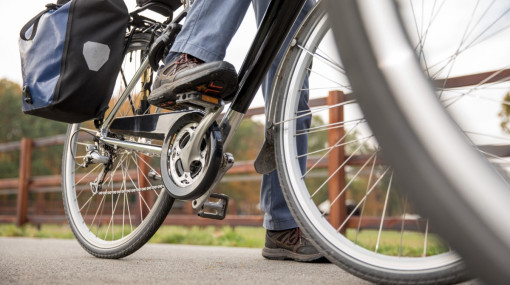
x: 444, y: 164
x: 142, y: 156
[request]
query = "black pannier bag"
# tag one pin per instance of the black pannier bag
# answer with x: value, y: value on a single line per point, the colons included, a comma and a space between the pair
x: 71, y: 55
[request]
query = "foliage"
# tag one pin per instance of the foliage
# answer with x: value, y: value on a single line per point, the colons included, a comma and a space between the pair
x: 504, y: 114
x: 247, y: 140
x: 14, y: 126
x: 245, y: 146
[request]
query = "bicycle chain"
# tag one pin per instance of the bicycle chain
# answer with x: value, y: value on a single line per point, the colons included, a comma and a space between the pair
x: 132, y: 190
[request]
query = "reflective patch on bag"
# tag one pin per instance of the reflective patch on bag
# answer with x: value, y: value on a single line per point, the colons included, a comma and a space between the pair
x: 96, y: 55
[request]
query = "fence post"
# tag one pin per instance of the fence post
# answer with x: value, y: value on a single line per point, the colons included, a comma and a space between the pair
x: 24, y: 180
x: 146, y: 198
x: 338, y: 211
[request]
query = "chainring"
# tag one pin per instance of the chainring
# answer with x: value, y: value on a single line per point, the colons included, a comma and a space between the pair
x: 193, y: 184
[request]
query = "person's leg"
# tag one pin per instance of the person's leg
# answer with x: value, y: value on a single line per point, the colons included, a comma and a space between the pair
x: 195, y: 59
x: 277, y: 215
x: 208, y: 29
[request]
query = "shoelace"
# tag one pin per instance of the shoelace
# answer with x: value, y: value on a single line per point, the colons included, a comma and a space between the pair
x: 183, y: 59
x: 295, y: 236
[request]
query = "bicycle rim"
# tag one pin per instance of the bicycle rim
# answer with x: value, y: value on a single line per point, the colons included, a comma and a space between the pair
x: 450, y: 181
x: 379, y: 236
x: 132, y: 204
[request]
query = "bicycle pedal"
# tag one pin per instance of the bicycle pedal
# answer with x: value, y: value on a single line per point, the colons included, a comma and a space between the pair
x: 195, y: 98
x: 216, y: 210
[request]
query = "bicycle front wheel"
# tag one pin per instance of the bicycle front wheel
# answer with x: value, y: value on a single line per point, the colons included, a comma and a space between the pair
x: 434, y: 155
x: 346, y: 199
x: 124, y: 214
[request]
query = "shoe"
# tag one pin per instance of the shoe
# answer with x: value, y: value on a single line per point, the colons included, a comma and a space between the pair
x: 290, y: 244
x: 187, y: 73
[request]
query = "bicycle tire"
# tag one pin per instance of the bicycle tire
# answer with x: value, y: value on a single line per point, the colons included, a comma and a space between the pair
x: 380, y: 268
x: 77, y: 194
x: 449, y: 180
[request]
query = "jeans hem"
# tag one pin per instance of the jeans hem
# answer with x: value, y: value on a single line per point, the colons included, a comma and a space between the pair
x: 279, y: 225
x: 196, y: 51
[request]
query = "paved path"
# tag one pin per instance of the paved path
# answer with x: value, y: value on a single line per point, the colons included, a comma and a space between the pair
x: 50, y: 261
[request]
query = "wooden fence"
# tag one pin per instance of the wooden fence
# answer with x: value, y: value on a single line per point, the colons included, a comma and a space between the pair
x: 26, y: 184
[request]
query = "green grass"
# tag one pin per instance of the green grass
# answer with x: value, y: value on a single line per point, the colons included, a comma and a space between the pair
x: 217, y: 236
x: 412, y: 242
x: 253, y: 237
x: 44, y: 231
x: 224, y: 236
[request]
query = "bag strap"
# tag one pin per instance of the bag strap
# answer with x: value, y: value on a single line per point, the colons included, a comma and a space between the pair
x: 35, y: 22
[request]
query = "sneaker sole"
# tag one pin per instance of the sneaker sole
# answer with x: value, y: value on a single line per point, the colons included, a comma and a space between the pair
x: 283, y: 254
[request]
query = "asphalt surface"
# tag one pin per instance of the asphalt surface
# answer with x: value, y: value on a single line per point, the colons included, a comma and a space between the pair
x: 51, y: 261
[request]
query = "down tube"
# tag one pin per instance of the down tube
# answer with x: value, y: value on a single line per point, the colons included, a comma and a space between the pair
x: 275, y: 26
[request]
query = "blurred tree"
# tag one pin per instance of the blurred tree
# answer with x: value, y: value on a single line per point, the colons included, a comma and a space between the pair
x: 14, y: 126
x: 504, y: 114
x: 245, y: 146
x: 247, y: 140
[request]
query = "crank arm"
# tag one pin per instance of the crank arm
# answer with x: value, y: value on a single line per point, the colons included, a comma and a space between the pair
x: 191, y: 151
x: 226, y: 164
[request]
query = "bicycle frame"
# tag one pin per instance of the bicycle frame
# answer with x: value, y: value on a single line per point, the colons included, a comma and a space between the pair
x: 273, y: 30
x: 275, y: 26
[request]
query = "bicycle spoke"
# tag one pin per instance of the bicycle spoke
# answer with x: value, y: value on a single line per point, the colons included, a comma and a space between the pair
x: 86, y: 203
x: 350, y: 181
x: 324, y: 59
x: 404, y: 206
x: 383, y: 214
x: 336, y: 171
x: 337, y: 145
x: 123, y: 212
x: 308, y: 113
x: 139, y: 158
x: 363, y: 199
x: 478, y: 87
x: 95, y: 215
x: 358, y: 228
x: 86, y: 175
x: 343, y: 86
x: 328, y: 127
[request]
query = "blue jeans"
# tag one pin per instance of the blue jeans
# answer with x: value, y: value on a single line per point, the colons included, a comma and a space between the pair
x: 206, y: 34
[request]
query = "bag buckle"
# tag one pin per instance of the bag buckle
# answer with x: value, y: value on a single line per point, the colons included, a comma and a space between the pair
x: 27, y: 96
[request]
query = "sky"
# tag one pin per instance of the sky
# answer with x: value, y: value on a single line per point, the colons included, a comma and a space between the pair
x: 15, y: 14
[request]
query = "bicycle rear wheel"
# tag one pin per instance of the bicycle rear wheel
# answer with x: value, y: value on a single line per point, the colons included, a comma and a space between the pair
x: 434, y: 156
x: 346, y: 199
x: 121, y: 217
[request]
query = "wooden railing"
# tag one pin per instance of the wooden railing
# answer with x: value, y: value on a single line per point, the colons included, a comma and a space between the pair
x: 26, y: 184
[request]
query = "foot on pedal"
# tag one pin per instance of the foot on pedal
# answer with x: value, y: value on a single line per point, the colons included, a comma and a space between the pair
x: 216, y: 210
x: 187, y: 73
